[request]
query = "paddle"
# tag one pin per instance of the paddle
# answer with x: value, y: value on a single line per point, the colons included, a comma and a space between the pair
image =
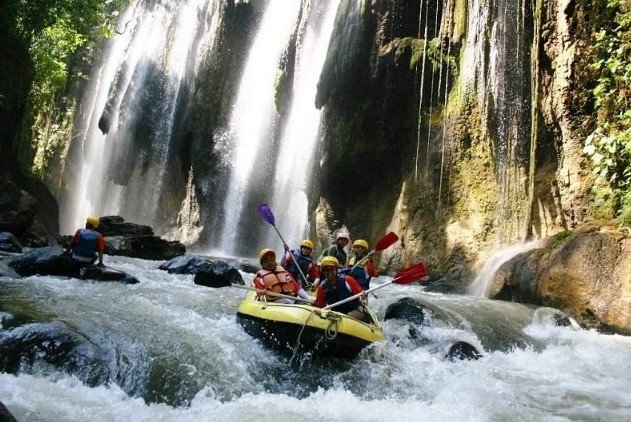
x: 268, y: 216
x: 408, y: 275
x: 383, y: 243
x: 238, y: 286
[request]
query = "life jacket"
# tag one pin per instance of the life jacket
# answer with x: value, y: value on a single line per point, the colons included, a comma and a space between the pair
x: 340, y: 293
x: 360, y: 273
x: 85, y: 248
x: 302, y: 261
x: 278, y: 281
x: 336, y: 252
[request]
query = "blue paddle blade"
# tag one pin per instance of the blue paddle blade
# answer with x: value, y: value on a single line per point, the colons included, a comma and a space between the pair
x: 267, y: 214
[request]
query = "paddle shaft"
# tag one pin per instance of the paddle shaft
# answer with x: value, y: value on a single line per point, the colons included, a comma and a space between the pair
x: 363, y: 261
x: 272, y: 293
x: 292, y: 255
x: 394, y: 280
x: 383, y: 243
x: 348, y: 299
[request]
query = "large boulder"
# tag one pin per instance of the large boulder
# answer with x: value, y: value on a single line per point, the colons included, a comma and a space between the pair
x: 586, y: 275
x: 516, y: 280
x: 50, y: 260
x: 210, y: 273
x: 114, y: 225
x: 186, y: 264
x: 589, y: 277
x: 9, y: 243
x: 219, y: 274
x: 133, y: 240
x: 104, y: 273
x: 144, y: 247
x: 192, y: 264
x: 207, y: 273
x: 53, y: 261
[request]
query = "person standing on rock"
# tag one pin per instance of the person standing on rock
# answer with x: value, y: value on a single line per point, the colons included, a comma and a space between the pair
x: 87, y: 244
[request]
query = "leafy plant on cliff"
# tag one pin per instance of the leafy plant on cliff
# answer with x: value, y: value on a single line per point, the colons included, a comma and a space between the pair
x: 609, y: 145
x: 54, y: 31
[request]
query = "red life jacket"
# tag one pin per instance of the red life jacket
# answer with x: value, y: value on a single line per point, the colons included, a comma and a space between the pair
x: 278, y: 281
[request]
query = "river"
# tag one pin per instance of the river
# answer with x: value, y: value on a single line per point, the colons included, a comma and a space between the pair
x: 169, y: 350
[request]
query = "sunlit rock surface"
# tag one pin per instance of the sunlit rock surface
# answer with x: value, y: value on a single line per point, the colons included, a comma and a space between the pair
x: 587, y: 276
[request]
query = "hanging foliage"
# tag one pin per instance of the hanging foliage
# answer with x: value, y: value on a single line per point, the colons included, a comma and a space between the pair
x: 609, y: 145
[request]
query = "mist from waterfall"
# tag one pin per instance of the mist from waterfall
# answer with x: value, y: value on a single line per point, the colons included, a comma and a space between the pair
x: 253, y: 114
x: 300, y: 137
x: 132, y: 106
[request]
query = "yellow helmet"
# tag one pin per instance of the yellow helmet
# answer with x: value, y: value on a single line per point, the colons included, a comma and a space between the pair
x: 93, y: 221
x: 266, y: 251
x: 362, y: 243
x: 307, y: 244
x: 329, y: 261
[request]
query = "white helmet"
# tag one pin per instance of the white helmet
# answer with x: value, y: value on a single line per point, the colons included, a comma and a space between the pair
x: 342, y: 235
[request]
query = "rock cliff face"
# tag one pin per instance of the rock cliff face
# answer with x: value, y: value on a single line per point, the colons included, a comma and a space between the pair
x: 453, y: 123
x: 21, y: 197
x: 463, y: 136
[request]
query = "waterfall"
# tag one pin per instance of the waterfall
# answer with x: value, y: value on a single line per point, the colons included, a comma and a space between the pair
x: 253, y: 114
x: 300, y: 137
x: 272, y: 152
x: 495, y: 69
x: 420, y: 100
x: 132, y: 109
x: 480, y: 285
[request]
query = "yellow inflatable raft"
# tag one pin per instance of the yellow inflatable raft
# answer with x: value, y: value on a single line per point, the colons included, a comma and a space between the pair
x: 306, y: 329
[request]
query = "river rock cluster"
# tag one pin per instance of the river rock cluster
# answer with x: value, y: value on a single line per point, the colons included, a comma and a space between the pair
x: 586, y: 275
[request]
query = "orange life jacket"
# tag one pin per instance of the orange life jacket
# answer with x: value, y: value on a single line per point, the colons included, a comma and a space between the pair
x: 278, y: 281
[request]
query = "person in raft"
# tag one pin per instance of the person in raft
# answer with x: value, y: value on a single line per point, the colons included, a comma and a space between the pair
x: 335, y: 287
x: 274, y: 278
x: 336, y: 250
x: 301, y: 258
x: 87, y: 245
x: 364, y: 268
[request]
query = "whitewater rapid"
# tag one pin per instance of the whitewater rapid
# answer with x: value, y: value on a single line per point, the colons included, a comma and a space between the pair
x: 169, y: 350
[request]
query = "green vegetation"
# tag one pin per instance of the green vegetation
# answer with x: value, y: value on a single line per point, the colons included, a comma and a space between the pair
x: 53, y: 34
x: 560, y: 238
x: 609, y: 145
x: 416, y: 48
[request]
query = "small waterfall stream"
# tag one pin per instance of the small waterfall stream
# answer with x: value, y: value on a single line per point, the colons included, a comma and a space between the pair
x: 495, y: 68
x: 480, y: 285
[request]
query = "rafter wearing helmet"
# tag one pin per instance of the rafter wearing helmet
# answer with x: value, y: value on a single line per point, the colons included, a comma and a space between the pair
x: 274, y: 278
x: 300, y: 262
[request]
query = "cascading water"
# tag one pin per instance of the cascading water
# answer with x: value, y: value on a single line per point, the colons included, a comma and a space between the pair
x: 133, y: 105
x: 300, y: 137
x: 495, y: 67
x: 480, y: 285
x: 252, y: 123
